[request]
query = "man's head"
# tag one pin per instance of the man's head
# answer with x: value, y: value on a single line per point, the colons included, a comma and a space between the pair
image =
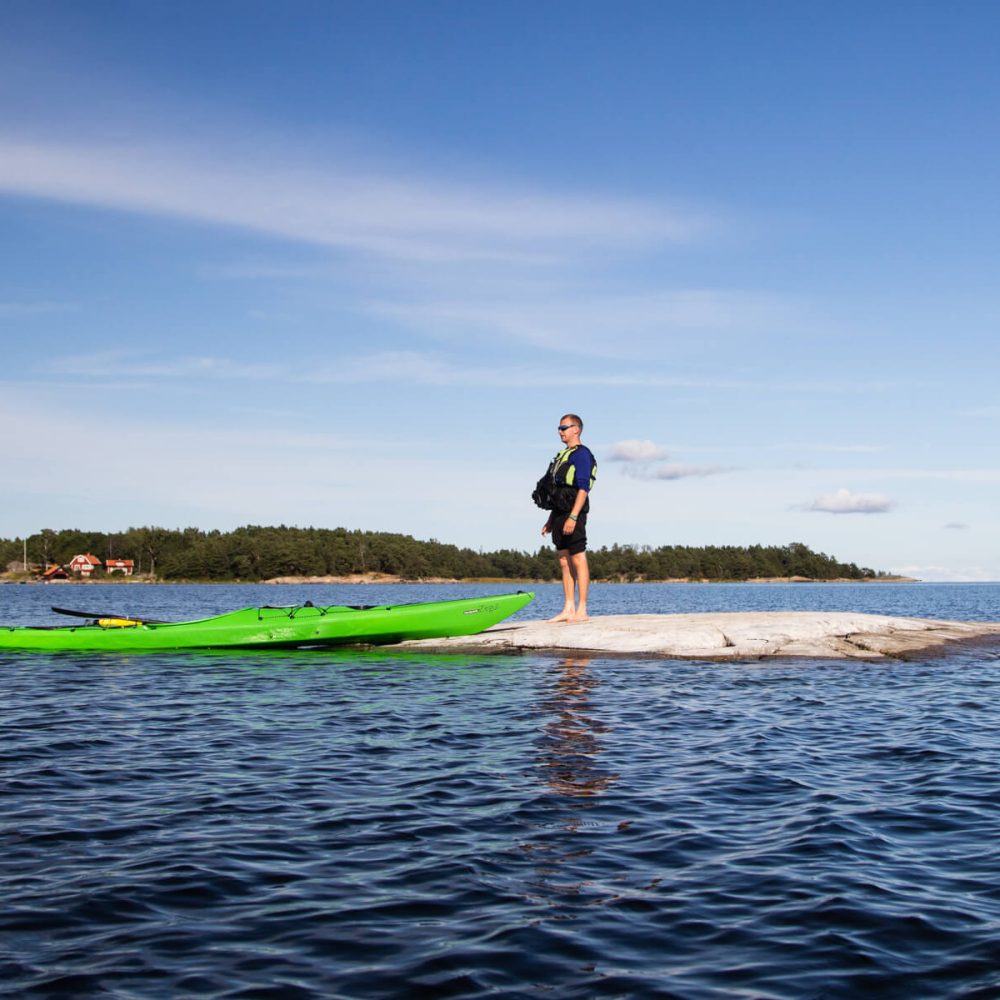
x: 570, y: 428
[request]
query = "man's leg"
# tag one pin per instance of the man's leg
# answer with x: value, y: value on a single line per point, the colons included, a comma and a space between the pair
x: 569, y: 587
x: 581, y: 572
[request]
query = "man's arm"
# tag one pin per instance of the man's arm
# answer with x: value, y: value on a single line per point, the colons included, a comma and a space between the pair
x: 581, y: 499
x: 584, y: 468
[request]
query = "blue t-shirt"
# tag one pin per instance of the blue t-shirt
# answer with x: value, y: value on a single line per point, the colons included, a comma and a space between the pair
x: 583, y: 462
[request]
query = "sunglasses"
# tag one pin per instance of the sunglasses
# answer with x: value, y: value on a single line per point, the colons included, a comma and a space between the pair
x: 565, y: 427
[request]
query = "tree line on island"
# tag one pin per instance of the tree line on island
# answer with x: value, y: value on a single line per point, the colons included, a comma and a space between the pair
x: 254, y: 553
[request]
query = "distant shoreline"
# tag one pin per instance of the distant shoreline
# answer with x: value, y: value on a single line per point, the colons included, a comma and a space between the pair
x: 368, y: 579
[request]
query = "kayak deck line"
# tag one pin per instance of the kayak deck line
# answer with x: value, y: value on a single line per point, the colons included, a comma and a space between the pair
x: 291, y: 609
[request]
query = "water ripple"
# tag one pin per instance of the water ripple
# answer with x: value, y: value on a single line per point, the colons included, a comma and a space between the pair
x: 383, y: 825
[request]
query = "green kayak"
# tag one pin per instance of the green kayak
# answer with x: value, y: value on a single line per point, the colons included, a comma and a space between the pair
x: 265, y: 627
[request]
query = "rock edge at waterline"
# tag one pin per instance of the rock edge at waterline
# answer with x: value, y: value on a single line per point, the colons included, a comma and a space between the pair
x: 727, y: 636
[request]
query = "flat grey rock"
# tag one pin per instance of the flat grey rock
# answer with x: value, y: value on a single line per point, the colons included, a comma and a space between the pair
x: 727, y: 636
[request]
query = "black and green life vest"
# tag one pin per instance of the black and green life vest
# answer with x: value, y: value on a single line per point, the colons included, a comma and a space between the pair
x: 557, y: 489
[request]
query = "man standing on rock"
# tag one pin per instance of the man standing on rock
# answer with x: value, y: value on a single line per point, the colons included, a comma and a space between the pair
x: 570, y: 479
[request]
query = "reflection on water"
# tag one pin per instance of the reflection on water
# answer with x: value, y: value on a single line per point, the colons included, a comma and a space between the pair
x: 573, y: 738
x: 569, y: 747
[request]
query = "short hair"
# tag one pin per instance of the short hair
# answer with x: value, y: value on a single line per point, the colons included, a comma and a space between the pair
x: 574, y: 419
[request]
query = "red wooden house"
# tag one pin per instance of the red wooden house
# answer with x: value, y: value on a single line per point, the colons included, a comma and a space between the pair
x: 124, y: 566
x: 85, y: 564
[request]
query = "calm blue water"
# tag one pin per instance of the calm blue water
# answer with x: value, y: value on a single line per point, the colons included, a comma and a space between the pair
x: 374, y: 824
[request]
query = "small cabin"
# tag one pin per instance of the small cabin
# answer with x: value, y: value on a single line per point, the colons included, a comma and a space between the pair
x: 84, y: 565
x: 124, y: 566
x: 55, y: 573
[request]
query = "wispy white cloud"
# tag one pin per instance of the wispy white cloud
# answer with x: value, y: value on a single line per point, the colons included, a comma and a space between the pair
x: 846, y: 502
x: 678, y: 471
x: 811, y: 447
x: 421, y: 368
x: 974, y: 475
x: 446, y: 259
x: 400, y: 367
x: 334, y: 204
x: 132, y: 364
x: 956, y: 526
x: 648, y: 324
x: 411, y: 367
x: 268, y: 271
x: 638, y: 458
x: 636, y: 451
x: 31, y: 308
x: 989, y: 411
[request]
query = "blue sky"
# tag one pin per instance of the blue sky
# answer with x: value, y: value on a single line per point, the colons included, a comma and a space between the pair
x: 325, y: 263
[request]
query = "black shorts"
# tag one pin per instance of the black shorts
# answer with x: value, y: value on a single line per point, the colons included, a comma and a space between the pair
x: 574, y: 542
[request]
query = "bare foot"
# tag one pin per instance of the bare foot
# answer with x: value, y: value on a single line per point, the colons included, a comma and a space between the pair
x: 580, y: 618
x: 563, y: 616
